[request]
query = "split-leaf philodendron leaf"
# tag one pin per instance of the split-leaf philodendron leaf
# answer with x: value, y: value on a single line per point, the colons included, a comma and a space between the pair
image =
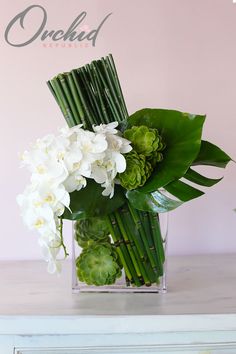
x: 211, y: 155
x: 197, y: 178
x: 182, y: 135
x: 156, y: 202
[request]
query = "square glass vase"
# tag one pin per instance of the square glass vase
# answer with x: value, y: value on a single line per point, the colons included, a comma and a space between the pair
x: 122, y: 252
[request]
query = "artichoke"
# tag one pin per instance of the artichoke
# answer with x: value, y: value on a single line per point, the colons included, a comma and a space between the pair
x: 144, y: 140
x: 98, y: 264
x: 91, y: 230
x: 138, y: 170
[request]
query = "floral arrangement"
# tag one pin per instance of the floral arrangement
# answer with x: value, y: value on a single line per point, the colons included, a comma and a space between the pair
x: 112, y: 173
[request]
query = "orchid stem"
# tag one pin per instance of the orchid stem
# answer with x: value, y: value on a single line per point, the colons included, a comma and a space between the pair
x: 62, y: 239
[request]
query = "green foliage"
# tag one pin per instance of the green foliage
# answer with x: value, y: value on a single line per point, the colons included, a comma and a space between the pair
x: 176, y: 191
x: 138, y: 170
x: 98, y: 264
x: 156, y: 202
x: 197, y: 178
x: 211, y: 155
x: 183, y: 191
x: 89, y: 202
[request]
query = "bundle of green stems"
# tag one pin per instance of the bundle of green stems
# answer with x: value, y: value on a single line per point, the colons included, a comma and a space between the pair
x: 92, y: 95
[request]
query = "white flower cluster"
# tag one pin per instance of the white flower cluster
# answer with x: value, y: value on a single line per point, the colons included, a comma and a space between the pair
x: 60, y: 165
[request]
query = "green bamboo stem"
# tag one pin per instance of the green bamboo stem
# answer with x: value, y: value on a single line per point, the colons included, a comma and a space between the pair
x: 63, y: 102
x: 158, y: 241
x: 134, y: 233
x: 139, y: 254
x: 69, y: 98
x: 148, y: 262
x: 157, y: 237
x: 86, y: 92
x: 100, y: 92
x: 128, y: 244
x: 99, y: 97
x: 125, y: 258
x: 118, y: 248
x: 93, y: 95
x: 161, y: 239
x: 144, y: 217
x: 121, y: 242
x: 76, y: 98
x: 111, y: 64
x: 113, y: 88
x: 112, y: 106
x: 145, y: 223
x: 108, y: 92
x: 154, y: 274
x: 137, y: 221
x: 88, y: 117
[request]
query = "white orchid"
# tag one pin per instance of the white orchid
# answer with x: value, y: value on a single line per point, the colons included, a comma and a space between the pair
x: 106, y: 128
x: 60, y: 165
x: 50, y: 249
x: 75, y: 182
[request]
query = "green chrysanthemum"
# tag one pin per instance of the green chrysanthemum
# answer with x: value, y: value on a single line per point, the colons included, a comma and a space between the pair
x: 98, y: 265
x: 91, y: 230
x: 138, y: 170
x: 144, y: 140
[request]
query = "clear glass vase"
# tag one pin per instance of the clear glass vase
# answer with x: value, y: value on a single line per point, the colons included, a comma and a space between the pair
x: 137, y: 242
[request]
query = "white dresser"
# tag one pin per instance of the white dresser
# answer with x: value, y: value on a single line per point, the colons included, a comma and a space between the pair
x: 39, y: 315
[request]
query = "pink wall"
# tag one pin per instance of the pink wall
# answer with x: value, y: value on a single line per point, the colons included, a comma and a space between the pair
x: 170, y: 53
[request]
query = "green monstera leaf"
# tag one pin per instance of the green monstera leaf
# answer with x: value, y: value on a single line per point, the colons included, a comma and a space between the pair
x: 183, y: 191
x: 195, y: 177
x: 168, y: 175
x: 211, y: 155
x: 179, y: 191
x: 156, y: 202
x: 181, y: 133
x: 89, y: 202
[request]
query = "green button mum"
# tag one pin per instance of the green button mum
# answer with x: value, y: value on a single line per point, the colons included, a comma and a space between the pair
x: 138, y: 170
x: 98, y: 265
x: 144, y: 140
